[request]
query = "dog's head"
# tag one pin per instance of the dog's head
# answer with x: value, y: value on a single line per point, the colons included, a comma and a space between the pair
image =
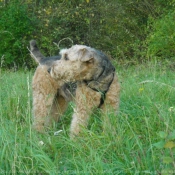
x: 81, y: 63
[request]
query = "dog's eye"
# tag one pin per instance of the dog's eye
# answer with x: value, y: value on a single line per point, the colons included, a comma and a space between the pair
x: 66, y: 57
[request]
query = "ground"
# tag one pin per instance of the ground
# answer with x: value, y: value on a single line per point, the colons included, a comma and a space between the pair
x: 131, y: 143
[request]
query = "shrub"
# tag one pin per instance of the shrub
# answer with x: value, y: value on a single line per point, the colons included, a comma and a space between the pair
x: 161, y: 41
x: 15, y: 29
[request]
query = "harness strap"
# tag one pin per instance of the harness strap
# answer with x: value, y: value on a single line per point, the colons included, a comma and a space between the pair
x: 103, y: 93
x: 102, y: 99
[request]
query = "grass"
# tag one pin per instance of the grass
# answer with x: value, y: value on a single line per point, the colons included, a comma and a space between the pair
x: 133, y: 142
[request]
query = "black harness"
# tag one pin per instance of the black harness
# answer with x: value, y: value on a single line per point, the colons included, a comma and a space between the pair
x: 103, y: 93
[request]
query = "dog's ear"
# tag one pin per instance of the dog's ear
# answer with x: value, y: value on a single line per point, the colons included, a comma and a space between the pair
x: 86, y: 56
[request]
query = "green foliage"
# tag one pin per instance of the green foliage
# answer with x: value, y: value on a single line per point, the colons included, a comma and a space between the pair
x: 125, y: 30
x: 167, y: 146
x: 15, y: 29
x: 161, y: 41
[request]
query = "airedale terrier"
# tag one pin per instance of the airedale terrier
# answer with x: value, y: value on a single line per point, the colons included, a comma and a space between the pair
x: 80, y: 73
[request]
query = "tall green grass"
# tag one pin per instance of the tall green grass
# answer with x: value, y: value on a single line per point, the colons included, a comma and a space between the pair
x: 136, y: 141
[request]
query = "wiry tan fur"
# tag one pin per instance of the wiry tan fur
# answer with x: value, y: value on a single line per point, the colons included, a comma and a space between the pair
x: 48, y: 104
x: 93, y: 75
x: 87, y: 99
x: 80, y: 64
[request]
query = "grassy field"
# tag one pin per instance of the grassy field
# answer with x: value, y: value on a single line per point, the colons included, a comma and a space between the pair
x: 139, y: 140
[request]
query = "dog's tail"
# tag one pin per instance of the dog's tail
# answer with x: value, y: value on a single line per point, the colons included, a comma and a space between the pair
x: 35, y: 52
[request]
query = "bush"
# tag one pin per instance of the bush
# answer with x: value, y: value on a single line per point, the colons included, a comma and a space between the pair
x: 119, y: 28
x: 15, y: 29
x: 161, y: 41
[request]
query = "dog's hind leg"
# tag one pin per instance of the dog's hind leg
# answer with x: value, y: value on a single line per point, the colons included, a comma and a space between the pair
x: 44, y: 90
x: 59, y: 106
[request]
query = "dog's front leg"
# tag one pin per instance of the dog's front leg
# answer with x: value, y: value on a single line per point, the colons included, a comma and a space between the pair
x: 86, y: 100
